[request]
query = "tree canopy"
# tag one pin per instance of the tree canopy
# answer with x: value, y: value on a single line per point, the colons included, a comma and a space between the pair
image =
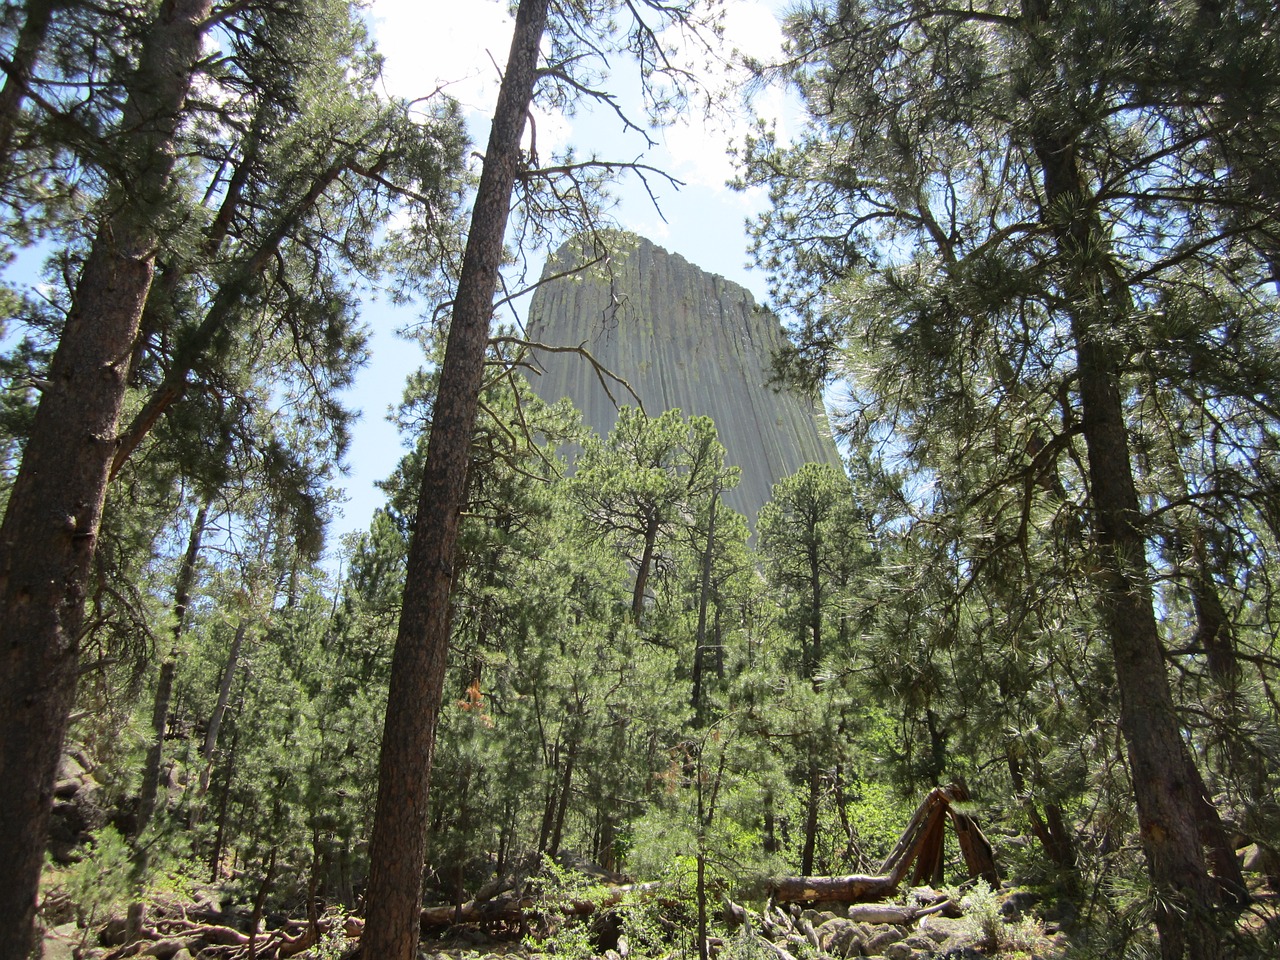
x: 1032, y: 246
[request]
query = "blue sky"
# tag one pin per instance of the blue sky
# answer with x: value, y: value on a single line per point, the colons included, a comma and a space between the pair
x: 425, y: 50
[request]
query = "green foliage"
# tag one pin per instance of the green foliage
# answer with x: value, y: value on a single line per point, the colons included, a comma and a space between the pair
x: 876, y: 813
x: 813, y: 542
x: 931, y: 613
x: 912, y: 237
x: 987, y: 925
x: 558, y: 894
x: 333, y: 944
x: 100, y: 883
x: 745, y: 945
x: 981, y: 908
x: 647, y: 484
x: 646, y: 924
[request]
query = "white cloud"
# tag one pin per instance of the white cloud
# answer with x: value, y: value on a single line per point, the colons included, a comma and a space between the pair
x: 426, y: 49
x: 460, y: 46
x: 461, y: 50
x: 699, y: 144
x: 752, y: 28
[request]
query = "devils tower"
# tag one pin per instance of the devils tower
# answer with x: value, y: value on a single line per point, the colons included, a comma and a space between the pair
x: 682, y: 338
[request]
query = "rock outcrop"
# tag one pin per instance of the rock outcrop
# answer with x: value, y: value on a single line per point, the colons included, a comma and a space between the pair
x: 683, y: 339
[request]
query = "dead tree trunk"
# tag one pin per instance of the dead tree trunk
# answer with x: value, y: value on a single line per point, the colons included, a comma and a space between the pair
x: 160, y: 719
x: 921, y: 845
x: 220, y: 708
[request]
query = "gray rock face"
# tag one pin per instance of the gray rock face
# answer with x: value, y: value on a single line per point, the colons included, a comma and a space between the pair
x: 682, y: 338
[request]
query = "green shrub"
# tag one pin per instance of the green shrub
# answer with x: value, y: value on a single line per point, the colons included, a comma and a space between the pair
x: 99, y: 885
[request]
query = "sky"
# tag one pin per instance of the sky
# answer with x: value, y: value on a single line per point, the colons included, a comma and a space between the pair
x: 456, y: 45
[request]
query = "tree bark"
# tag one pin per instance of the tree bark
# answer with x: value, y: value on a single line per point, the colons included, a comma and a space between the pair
x: 979, y: 855
x: 18, y: 72
x: 704, y: 598
x: 51, y: 524
x: 1169, y: 808
x: 646, y: 563
x: 811, y: 818
x: 398, y: 844
x: 847, y: 889
x: 562, y: 804
x: 220, y: 708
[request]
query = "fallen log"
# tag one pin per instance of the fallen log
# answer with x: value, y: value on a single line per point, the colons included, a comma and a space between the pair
x: 893, y: 913
x: 773, y: 948
x: 485, y: 911
x: 810, y: 933
x: 218, y: 934
x: 848, y: 889
x: 291, y: 946
x: 177, y: 936
x: 921, y: 845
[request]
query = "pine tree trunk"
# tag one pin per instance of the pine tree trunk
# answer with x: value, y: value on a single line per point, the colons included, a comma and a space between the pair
x: 562, y: 806
x: 813, y: 654
x: 51, y: 523
x: 704, y: 598
x: 1053, y: 835
x: 220, y: 708
x: 1169, y: 808
x: 548, y: 818
x: 398, y: 844
x: 642, y: 572
x: 18, y: 73
x: 705, y: 814
x: 811, y: 819
x: 160, y: 721
x: 224, y: 804
x: 164, y: 686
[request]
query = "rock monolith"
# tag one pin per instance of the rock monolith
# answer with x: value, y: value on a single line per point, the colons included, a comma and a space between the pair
x: 683, y: 339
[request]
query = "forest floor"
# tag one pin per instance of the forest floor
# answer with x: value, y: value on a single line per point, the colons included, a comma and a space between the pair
x: 212, y: 922
x: 985, y: 923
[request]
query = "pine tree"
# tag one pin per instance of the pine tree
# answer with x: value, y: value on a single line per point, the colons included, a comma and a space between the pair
x: 54, y: 510
x: 996, y: 206
x: 581, y: 35
x: 166, y: 290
